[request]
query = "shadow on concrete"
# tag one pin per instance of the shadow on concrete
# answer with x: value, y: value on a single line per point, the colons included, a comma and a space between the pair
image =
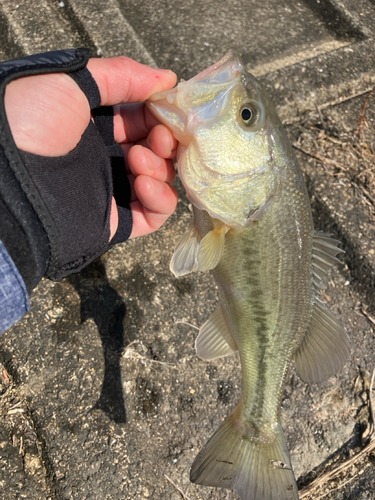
x: 100, y: 302
x: 336, y: 20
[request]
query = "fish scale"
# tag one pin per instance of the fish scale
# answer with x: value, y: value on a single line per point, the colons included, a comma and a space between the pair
x: 252, y: 228
x: 267, y: 286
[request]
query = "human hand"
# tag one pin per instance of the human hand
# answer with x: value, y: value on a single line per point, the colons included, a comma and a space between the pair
x: 52, y: 113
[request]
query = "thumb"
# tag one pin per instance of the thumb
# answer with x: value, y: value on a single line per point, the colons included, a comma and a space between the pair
x: 121, y: 79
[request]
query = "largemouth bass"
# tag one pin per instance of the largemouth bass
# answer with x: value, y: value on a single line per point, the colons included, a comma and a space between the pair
x: 253, y: 228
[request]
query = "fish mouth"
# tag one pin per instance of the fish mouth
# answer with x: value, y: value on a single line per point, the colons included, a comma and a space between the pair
x: 226, y: 69
x: 172, y: 107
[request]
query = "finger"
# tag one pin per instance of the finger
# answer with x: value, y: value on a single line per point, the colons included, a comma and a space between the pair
x: 133, y: 122
x: 121, y: 79
x: 156, y: 202
x: 129, y: 122
x: 133, y: 195
x: 113, y: 224
x: 162, y: 142
x: 143, y: 161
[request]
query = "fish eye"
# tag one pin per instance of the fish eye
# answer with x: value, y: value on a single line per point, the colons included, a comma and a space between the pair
x: 249, y: 114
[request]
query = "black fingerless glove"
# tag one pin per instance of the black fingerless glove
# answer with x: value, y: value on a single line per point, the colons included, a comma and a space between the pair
x: 55, y: 211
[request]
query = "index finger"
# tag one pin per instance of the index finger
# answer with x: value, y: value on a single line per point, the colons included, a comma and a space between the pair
x: 133, y: 122
x: 121, y: 79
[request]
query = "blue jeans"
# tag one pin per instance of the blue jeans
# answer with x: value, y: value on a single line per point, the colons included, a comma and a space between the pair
x: 14, y: 299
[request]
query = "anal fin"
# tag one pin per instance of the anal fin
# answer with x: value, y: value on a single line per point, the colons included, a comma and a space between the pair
x: 215, y: 339
x: 325, y: 347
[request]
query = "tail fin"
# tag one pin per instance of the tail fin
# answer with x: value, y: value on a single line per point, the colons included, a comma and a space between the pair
x: 257, y: 471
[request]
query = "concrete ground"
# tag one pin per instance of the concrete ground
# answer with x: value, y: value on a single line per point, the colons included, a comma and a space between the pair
x: 101, y: 394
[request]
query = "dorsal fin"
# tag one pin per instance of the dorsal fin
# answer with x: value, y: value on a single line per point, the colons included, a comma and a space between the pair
x: 325, y: 250
x: 215, y: 340
x: 325, y: 347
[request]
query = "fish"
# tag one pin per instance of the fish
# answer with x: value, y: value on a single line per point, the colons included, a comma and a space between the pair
x: 252, y: 228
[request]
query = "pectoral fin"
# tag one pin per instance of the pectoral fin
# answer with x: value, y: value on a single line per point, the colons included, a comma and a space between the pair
x: 185, y: 254
x: 325, y: 347
x: 211, y: 248
x: 193, y: 253
x: 215, y: 340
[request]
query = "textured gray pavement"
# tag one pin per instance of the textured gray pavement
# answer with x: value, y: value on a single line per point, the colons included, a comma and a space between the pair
x: 101, y: 395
